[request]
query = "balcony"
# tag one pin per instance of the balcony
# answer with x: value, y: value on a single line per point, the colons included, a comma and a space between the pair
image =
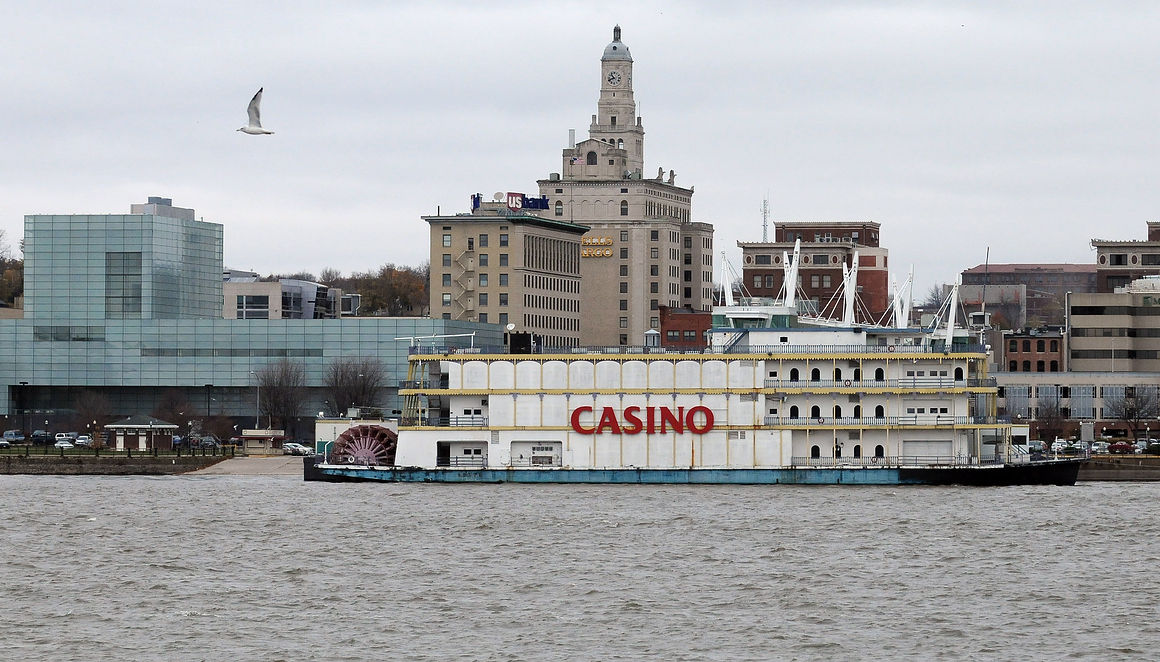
x: 918, y: 420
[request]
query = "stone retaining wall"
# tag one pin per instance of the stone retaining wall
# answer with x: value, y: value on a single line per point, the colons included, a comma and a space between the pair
x: 71, y: 465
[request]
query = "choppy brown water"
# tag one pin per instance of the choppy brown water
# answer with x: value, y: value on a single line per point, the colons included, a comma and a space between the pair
x: 272, y: 568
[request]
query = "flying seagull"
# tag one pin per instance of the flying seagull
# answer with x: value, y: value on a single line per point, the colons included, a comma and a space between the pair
x: 254, y: 128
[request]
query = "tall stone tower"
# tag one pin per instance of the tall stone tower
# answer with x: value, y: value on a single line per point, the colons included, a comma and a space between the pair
x: 643, y: 249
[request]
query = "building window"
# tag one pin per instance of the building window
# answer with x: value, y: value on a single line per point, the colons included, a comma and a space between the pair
x: 446, y: 299
x: 624, y: 270
x: 1013, y: 366
x: 1027, y: 345
x: 446, y: 280
x: 503, y: 298
x: 503, y: 280
x: 1054, y: 347
x: 483, y: 298
x: 624, y: 207
x: 253, y: 307
x: 763, y: 259
x: 483, y: 317
x: 654, y: 287
x: 688, y: 242
x: 654, y: 322
x: 559, y: 208
x: 503, y: 318
x: 1013, y: 346
x: 825, y: 281
x: 447, y: 259
x: 623, y: 339
x: 503, y: 240
x: 688, y: 293
x: 769, y: 281
x: 653, y: 304
x: 1040, y: 366
x: 446, y: 240
x: 624, y: 322
x: 591, y: 158
x: 1040, y: 346
x: 503, y: 260
x: 624, y: 235
x: 654, y: 270
x: 757, y: 281
x: 623, y: 287
x: 654, y: 235
x: 654, y: 253
x: 688, y: 276
x: 482, y: 241
x: 815, y: 281
x: 483, y: 259
x: 123, y: 285
x: 688, y: 258
x: 624, y: 253
x: 1027, y: 366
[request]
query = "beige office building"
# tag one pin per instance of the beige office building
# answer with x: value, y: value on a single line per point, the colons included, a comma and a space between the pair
x: 1116, y: 332
x: 643, y: 250
x: 504, y: 266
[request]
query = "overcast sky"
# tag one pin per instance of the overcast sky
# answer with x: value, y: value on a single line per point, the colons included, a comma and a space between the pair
x: 1028, y: 128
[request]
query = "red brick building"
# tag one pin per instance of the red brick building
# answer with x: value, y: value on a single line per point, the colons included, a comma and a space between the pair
x: 684, y: 327
x: 1034, y: 351
x: 826, y: 246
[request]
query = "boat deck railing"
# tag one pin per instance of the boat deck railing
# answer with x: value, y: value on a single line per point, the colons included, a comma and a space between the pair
x: 878, y: 421
x: 905, y: 382
x: 772, y: 350
x: 896, y: 461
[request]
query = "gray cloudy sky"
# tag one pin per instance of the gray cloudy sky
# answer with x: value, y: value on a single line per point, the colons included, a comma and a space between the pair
x: 1025, y: 127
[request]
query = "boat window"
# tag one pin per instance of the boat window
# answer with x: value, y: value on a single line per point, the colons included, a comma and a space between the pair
x: 879, y: 451
x: 815, y: 451
x: 879, y: 374
x: 815, y: 375
x: 858, y: 450
x: 879, y: 412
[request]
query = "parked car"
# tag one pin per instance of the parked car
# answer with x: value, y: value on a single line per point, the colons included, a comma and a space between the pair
x: 4, y: 443
x: 63, y: 443
x: 64, y: 436
x: 1036, y: 446
x: 292, y: 448
x: 1058, y: 446
x: 13, y: 436
x: 40, y: 437
x: 1122, y: 447
x: 1100, y: 447
x: 83, y: 440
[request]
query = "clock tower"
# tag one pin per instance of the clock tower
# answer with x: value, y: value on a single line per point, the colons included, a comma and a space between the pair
x: 616, y: 121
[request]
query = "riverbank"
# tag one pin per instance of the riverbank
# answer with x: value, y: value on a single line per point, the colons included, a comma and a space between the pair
x: 258, y: 465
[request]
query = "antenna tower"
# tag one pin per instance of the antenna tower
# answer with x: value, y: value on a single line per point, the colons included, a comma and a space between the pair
x: 765, y: 219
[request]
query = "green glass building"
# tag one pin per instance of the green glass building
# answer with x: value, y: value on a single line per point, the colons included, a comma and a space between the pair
x: 130, y: 307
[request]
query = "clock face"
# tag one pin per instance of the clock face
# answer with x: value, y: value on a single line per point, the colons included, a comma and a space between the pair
x: 614, y: 78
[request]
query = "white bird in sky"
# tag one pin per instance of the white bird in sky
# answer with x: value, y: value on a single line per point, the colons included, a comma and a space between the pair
x: 254, y: 128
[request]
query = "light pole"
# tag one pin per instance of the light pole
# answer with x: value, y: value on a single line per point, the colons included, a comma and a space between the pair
x: 257, y: 398
x: 24, y: 403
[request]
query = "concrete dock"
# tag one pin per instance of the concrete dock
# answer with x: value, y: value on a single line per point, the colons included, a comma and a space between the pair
x: 259, y: 465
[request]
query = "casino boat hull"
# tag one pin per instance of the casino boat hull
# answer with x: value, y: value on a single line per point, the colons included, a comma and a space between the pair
x: 1061, y: 472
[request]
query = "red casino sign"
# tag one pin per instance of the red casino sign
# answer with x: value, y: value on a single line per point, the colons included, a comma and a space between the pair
x: 697, y: 420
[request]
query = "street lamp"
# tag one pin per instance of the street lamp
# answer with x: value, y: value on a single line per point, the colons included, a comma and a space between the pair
x: 24, y: 404
x: 257, y: 398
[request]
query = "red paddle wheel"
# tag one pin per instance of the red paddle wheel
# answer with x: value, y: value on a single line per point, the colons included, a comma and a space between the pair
x: 366, y: 444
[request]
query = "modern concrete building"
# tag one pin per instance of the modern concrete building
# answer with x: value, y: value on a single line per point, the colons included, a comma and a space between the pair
x: 1120, y: 262
x: 1055, y: 404
x: 825, y: 248
x: 1116, y: 332
x: 500, y: 265
x: 1042, y: 299
x: 247, y: 296
x: 129, y: 308
x: 643, y: 249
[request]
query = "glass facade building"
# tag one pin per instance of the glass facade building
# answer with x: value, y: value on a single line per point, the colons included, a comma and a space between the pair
x: 130, y: 307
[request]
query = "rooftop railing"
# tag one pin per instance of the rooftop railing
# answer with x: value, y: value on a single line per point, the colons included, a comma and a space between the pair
x: 775, y: 350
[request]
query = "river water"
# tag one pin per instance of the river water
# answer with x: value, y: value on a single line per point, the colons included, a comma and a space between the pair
x: 273, y: 568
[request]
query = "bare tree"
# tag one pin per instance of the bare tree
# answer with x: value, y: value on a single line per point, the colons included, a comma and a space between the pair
x: 1050, y: 422
x: 283, y: 390
x: 934, y: 296
x: 354, y: 381
x: 329, y: 275
x: 93, y: 413
x: 1137, y: 407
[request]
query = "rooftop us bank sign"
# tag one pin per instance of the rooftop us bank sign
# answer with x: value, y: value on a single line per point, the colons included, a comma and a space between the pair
x: 515, y: 201
x: 697, y: 420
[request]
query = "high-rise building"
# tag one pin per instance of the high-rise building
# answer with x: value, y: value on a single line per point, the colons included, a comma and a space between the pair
x: 643, y: 250
x: 500, y: 265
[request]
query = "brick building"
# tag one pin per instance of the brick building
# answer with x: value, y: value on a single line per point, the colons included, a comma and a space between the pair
x: 684, y: 327
x: 825, y: 247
